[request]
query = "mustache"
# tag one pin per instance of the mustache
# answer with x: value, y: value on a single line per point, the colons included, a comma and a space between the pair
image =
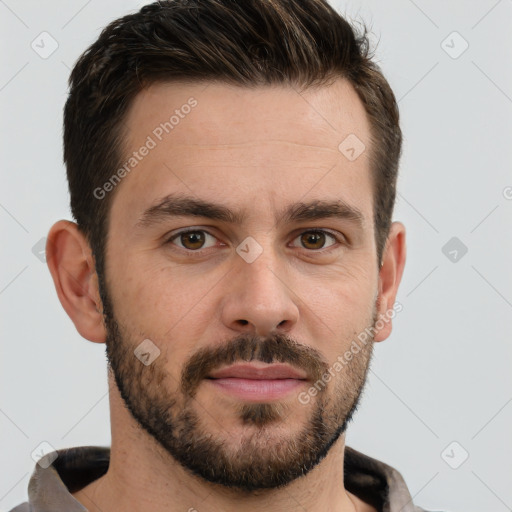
x: 276, y: 348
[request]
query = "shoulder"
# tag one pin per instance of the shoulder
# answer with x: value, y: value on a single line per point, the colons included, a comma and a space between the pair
x: 22, y: 507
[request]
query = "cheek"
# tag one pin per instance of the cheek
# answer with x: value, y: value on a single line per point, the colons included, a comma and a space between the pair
x: 341, y: 308
x: 165, y: 305
x: 346, y: 293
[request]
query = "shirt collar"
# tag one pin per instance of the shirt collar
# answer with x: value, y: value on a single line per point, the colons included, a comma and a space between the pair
x: 52, y: 483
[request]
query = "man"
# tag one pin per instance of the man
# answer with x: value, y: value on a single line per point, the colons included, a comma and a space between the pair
x: 232, y: 170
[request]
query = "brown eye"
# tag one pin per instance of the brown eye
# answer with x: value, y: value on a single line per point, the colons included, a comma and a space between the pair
x: 315, y: 240
x: 193, y: 240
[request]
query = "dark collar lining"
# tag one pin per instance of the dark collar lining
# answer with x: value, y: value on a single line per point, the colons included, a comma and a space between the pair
x: 78, y: 467
x: 364, y: 477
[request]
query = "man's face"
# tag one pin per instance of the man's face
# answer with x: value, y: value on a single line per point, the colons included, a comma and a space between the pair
x: 242, y: 292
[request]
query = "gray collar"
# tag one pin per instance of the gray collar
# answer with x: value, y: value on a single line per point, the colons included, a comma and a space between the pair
x: 51, y: 485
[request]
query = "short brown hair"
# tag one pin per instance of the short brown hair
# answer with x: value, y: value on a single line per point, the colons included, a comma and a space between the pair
x: 247, y: 43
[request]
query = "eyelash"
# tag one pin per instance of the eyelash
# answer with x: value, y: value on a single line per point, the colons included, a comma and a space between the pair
x: 199, y: 252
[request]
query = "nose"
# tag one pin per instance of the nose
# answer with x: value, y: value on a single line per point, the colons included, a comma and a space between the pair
x: 259, y: 298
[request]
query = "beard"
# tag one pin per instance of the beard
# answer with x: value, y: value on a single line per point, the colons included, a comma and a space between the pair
x: 268, y: 455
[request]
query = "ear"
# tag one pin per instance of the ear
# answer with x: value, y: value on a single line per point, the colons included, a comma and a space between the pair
x: 390, y: 275
x: 71, y: 263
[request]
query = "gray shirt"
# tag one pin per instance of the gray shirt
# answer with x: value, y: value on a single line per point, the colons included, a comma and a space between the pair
x: 51, y: 485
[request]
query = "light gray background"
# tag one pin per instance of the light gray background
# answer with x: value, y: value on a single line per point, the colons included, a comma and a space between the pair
x: 444, y: 374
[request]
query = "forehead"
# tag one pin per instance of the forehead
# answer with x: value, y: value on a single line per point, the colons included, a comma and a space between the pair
x: 220, y: 107
x: 240, y: 143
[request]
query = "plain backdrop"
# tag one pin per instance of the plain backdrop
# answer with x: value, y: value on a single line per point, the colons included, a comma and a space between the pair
x: 438, y: 403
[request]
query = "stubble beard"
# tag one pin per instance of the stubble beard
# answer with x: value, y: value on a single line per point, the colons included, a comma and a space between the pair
x: 267, y: 455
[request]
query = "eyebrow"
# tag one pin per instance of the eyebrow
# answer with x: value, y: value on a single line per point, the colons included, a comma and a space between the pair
x: 184, y: 206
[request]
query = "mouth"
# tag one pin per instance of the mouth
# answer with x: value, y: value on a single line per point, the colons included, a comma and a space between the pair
x: 258, y: 382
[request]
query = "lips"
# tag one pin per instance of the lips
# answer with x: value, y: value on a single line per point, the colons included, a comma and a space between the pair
x: 257, y: 382
x: 253, y: 371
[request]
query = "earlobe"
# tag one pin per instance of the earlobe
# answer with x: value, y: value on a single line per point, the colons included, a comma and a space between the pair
x: 69, y: 258
x: 390, y: 275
